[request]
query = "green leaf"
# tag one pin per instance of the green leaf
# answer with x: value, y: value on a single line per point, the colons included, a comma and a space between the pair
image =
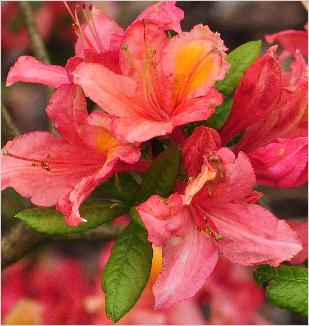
x: 49, y: 220
x: 121, y: 186
x: 161, y: 175
x: 136, y: 217
x: 286, y: 286
x: 127, y: 271
x: 240, y: 60
x: 220, y: 115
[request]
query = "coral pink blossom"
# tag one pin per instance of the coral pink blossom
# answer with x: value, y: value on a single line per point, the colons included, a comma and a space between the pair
x: 164, y: 83
x: 34, y: 294
x: 270, y: 107
x: 215, y: 213
x: 301, y: 227
x: 99, y: 41
x: 291, y: 40
x: 227, y: 282
x: 64, y: 171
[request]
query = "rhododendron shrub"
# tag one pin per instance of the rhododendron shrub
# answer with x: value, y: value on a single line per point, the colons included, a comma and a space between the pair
x: 182, y: 133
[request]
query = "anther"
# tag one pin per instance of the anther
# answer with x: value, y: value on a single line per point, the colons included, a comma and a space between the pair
x: 125, y: 47
x: 45, y: 166
x: 218, y: 237
x: 5, y: 151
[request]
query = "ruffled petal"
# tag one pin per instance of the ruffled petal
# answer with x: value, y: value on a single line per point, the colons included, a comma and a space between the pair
x: 194, y: 60
x: 29, y: 70
x: 187, y: 262
x: 301, y: 228
x: 283, y: 163
x: 116, y: 94
x: 236, y: 182
x: 258, y: 94
x: 165, y: 14
x: 67, y: 108
x: 251, y: 235
x: 164, y: 219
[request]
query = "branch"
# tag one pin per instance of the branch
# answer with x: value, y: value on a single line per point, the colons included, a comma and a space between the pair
x: 8, y: 121
x: 21, y: 240
x: 37, y: 44
x: 17, y: 243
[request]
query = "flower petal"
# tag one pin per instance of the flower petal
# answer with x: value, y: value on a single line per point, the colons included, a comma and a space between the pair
x: 48, y: 166
x: 251, y: 235
x: 142, y: 48
x: 139, y: 129
x: 283, y: 163
x: 301, y: 228
x: 238, y: 180
x: 165, y: 14
x: 104, y: 35
x: 291, y: 40
x: 258, y: 94
x: 194, y: 60
x: 202, y: 142
x: 163, y: 219
x: 116, y: 94
x: 70, y: 203
x: 187, y: 262
x: 67, y: 108
x: 197, y: 109
x: 29, y: 70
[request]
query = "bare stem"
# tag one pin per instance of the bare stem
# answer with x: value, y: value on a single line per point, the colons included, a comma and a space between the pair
x: 36, y: 41
x: 20, y: 240
x: 8, y: 121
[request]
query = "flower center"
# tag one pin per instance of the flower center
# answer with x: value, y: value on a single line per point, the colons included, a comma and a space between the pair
x: 205, y: 226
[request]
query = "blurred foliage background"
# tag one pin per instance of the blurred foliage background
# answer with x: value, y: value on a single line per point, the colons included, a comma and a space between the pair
x: 236, y: 21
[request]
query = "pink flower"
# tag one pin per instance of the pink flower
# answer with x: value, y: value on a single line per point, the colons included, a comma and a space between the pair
x: 98, y: 41
x: 291, y: 40
x: 164, y: 83
x: 216, y: 213
x: 270, y: 107
x: 64, y: 171
x: 35, y: 294
x: 228, y: 282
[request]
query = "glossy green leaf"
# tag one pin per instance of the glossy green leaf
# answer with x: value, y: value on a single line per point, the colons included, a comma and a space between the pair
x: 220, y: 115
x: 161, y: 175
x: 49, y: 220
x: 121, y: 186
x: 240, y: 60
x: 286, y: 286
x: 127, y: 271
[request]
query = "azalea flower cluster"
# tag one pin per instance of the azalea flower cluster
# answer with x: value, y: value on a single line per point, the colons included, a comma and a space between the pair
x: 147, y: 83
x: 33, y: 294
